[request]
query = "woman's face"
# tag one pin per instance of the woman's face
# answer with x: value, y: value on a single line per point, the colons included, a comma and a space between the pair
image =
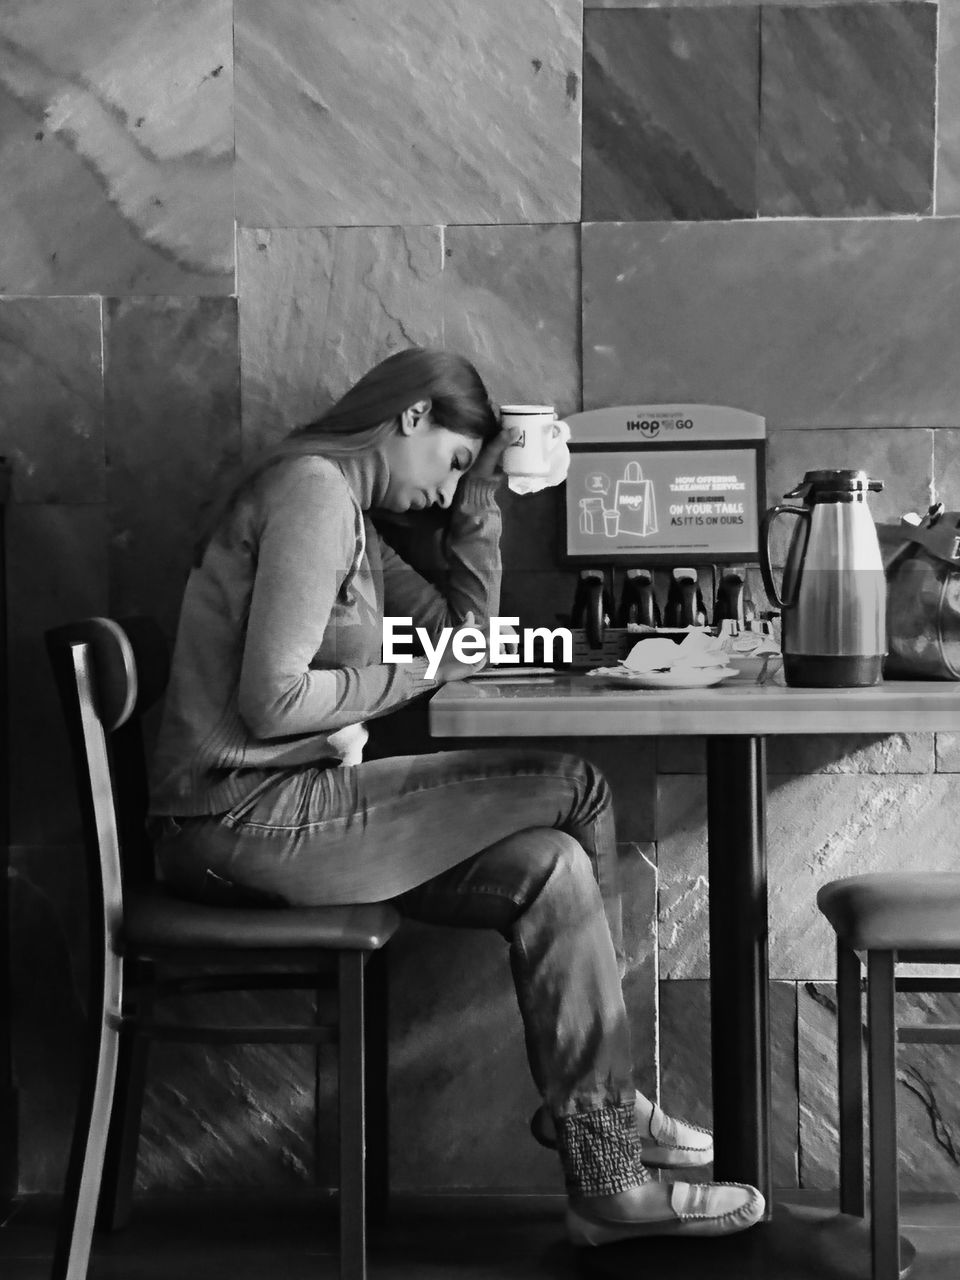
x: 426, y: 461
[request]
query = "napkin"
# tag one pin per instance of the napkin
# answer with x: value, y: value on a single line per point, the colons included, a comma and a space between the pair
x: 559, y: 466
x: 695, y: 651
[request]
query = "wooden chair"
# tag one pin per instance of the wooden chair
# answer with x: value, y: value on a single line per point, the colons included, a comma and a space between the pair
x: 108, y: 675
x: 894, y: 918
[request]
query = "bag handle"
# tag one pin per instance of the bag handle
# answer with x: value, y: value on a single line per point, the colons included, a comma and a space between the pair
x: 941, y: 541
x: 938, y: 533
x: 632, y: 472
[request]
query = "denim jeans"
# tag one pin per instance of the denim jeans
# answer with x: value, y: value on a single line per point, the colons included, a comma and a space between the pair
x: 517, y: 840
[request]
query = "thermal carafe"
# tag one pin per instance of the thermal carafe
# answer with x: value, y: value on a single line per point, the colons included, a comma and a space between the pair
x: 833, y: 595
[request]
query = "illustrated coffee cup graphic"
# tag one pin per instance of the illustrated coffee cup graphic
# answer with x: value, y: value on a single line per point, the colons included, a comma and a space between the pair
x: 541, y: 431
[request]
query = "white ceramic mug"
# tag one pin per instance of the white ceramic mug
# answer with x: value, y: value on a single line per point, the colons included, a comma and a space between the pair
x: 541, y: 432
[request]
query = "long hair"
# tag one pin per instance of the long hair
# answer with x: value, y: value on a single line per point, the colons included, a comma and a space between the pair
x: 367, y: 413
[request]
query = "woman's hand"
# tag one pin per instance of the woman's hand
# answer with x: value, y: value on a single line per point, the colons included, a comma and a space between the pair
x: 488, y: 463
x: 450, y: 667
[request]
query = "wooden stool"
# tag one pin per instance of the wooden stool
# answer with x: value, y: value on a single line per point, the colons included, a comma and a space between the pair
x: 894, y: 919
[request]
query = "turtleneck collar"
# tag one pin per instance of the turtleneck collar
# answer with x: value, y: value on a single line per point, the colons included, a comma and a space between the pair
x: 367, y: 474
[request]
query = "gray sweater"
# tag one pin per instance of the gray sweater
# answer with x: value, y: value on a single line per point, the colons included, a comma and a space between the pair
x: 277, y: 659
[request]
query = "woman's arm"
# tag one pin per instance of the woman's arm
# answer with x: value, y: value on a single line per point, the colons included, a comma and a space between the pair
x: 310, y: 537
x: 472, y: 572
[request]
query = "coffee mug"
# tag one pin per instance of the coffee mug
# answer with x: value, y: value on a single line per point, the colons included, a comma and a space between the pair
x: 540, y: 433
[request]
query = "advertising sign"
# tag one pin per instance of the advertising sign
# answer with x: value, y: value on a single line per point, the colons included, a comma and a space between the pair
x: 663, y: 504
x: 661, y: 484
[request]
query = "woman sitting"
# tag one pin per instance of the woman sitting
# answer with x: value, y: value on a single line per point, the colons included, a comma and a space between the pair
x: 259, y: 779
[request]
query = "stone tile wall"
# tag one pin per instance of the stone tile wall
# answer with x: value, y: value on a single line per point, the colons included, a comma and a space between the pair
x: 216, y: 215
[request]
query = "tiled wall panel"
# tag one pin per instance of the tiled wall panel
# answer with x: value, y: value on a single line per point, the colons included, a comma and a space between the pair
x: 948, y: 752
x: 444, y: 978
x: 928, y: 1131
x: 948, y: 109
x: 712, y: 4
x: 946, y: 469
x: 116, y: 146
x: 685, y: 1077
x: 901, y: 460
x: 51, y: 398
x: 670, y: 113
x: 415, y: 112
x: 173, y: 431
x: 819, y: 827
x: 49, y: 1004
x: 321, y: 305
x: 235, y: 1115
x: 510, y: 298
x: 56, y: 571
x: 812, y: 323
x: 821, y: 753
x: 847, y: 110
x: 510, y: 301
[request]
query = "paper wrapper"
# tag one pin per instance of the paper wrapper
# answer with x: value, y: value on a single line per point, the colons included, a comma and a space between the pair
x: 750, y: 653
x: 696, y: 650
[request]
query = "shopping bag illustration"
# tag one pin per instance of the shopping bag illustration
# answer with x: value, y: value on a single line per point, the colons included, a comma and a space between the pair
x: 634, y: 502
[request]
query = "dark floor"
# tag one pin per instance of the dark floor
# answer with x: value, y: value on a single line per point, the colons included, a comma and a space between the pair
x: 250, y: 1236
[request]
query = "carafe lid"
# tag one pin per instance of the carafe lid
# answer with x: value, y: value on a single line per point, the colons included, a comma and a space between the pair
x: 842, y: 485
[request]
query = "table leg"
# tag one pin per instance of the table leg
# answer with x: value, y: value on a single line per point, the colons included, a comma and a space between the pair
x: 796, y: 1242
x: 739, y: 999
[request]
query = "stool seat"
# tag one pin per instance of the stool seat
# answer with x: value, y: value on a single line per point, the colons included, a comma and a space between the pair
x: 893, y: 911
x: 155, y: 920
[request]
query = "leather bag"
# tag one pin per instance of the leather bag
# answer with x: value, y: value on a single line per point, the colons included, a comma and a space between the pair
x: 922, y: 567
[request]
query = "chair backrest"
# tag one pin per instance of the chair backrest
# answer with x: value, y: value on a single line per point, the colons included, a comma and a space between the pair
x: 108, y: 674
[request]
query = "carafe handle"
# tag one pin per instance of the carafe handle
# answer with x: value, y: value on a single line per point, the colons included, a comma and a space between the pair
x: 766, y: 524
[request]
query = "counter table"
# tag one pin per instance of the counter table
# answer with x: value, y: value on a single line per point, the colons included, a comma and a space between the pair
x: 735, y: 718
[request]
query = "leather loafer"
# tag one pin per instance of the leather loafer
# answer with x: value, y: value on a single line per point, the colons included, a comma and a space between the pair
x: 696, y: 1209
x: 675, y: 1144
x: 668, y: 1144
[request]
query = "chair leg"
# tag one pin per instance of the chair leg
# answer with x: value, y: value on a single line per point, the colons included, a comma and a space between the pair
x: 376, y: 1010
x: 123, y: 1136
x: 850, y: 1080
x: 353, y: 1252
x: 882, y: 1057
x: 82, y: 1187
